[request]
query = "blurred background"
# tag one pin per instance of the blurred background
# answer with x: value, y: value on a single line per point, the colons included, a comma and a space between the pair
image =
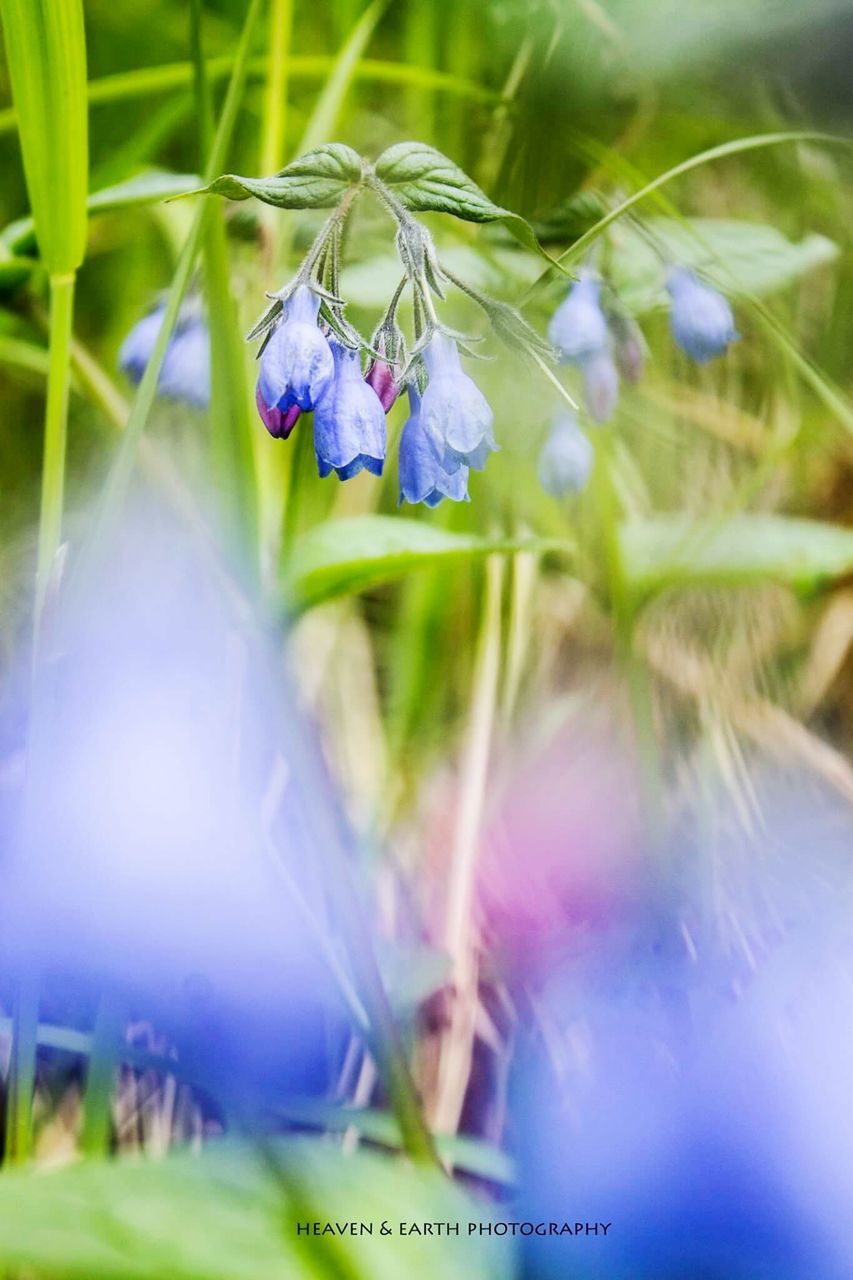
x: 529, y: 815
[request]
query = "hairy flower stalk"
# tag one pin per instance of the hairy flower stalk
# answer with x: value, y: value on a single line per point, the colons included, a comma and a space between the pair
x: 701, y: 319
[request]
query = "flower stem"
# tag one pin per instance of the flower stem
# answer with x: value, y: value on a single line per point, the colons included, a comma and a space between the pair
x: 55, y: 430
x: 22, y: 1069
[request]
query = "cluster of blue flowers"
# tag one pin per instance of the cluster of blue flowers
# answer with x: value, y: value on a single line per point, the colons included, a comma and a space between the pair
x: 604, y: 344
x: 448, y: 431
x: 306, y: 366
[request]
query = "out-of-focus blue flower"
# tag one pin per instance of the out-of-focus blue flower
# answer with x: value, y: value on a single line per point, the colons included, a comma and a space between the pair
x: 455, y: 415
x: 296, y: 366
x: 578, y: 327
x: 185, y: 374
x: 600, y: 385
x: 566, y: 459
x: 422, y: 477
x: 701, y: 318
x: 349, y: 421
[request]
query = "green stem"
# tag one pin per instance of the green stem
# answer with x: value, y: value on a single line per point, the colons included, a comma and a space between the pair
x: 55, y: 430
x: 104, y: 1057
x: 22, y: 1070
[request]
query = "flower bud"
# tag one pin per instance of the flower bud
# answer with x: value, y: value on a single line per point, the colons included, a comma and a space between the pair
x: 601, y: 385
x: 279, y: 424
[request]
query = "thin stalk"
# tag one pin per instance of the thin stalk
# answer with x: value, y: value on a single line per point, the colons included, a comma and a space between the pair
x: 55, y: 431
x: 623, y: 608
x: 460, y: 937
x: 104, y: 1058
x: 22, y: 1070
x: 122, y: 469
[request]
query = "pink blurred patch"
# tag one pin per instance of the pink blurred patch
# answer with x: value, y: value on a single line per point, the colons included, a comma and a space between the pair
x: 561, y: 852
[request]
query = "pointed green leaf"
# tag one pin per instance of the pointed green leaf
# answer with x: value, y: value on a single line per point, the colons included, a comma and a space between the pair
x: 425, y: 181
x: 343, y: 557
x: 317, y: 180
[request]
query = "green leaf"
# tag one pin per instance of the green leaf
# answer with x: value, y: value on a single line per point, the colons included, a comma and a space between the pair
x: 146, y: 188
x: 425, y: 181
x: 317, y: 180
x: 46, y: 57
x: 740, y: 257
x: 343, y: 557
x: 470, y: 1154
x: 677, y: 551
x: 231, y: 1214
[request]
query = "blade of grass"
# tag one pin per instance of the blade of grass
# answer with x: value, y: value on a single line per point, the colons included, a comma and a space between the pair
x: 726, y: 149
x: 148, y: 81
x: 230, y: 419
x: 122, y: 468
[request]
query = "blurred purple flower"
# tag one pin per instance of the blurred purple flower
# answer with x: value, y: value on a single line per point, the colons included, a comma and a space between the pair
x: 565, y: 461
x: 455, y: 415
x: 601, y: 385
x: 349, y: 421
x: 578, y: 327
x: 296, y: 365
x: 701, y: 318
x: 185, y: 373
x: 422, y: 476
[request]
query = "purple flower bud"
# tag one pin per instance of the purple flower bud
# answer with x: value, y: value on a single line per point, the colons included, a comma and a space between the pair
x: 566, y: 459
x: 422, y: 477
x: 578, y: 327
x: 185, y: 373
x: 601, y: 385
x: 296, y: 365
x: 701, y: 318
x: 278, y: 424
x: 630, y: 348
x: 455, y: 415
x: 381, y: 377
x: 349, y: 421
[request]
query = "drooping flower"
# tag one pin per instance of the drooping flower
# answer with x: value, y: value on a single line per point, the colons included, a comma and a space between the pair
x: 566, y: 459
x: 279, y: 424
x: 601, y: 385
x: 185, y: 373
x: 578, y: 327
x: 455, y: 415
x: 296, y: 365
x: 349, y: 421
x: 701, y: 318
x: 422, y: 476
